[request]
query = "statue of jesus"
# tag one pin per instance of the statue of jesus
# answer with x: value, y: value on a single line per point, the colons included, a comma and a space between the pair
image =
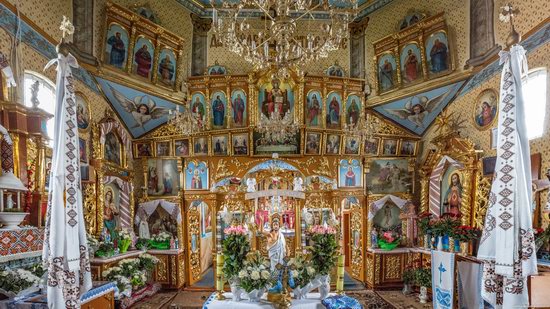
x: 276, y: 244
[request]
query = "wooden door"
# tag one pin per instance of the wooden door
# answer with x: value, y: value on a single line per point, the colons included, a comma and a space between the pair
x: 347, y: 239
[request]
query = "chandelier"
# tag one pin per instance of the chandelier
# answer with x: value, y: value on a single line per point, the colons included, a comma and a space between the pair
x: 278, y: 44
x: 276, y: 128
x: 184, y: 121
x: 364, y: 127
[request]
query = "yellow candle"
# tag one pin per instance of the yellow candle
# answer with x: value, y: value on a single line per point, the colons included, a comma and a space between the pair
x: 340, y: 273
x: 219, y: 267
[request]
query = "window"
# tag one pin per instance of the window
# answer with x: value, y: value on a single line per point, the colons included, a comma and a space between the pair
x: 534, y: 96
x: 45, y: 96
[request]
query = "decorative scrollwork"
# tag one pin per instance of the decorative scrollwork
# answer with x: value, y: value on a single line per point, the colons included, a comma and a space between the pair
x: 89, y: 205
x: 392, y: 267
x: 483, y: 189
x: 221, y: 170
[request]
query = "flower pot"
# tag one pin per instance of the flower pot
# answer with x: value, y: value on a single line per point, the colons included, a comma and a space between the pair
x: 445, y: 242
x: 297, y: 291
x: 124, y: 244
x: 161, y: 245
x: 439, y: 243
x: 456, y: 243
x: 236, y: 291
x: 407, y: 289
x: 427, y: 241
x: 255, y: 295
x: 324, y: 288
x: 11, y: 220
x: 387, y: 246
x: 423, y: 294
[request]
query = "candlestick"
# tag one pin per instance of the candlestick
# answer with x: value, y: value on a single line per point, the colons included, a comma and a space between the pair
x: 219, y: 276
x: 340, y: 275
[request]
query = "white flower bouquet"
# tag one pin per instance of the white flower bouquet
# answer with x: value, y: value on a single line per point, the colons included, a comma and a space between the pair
x: 147, y: 262
x: 18, y: 282
x: 255, y: 274
x: 125, y: 239
x: 161, y: 240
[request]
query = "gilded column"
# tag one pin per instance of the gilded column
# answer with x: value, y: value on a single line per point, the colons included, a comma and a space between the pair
x: 130, y: 61
x: 16, y: 154
x: 156, y: 58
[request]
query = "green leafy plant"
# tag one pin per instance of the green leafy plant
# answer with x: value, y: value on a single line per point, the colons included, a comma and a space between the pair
x: 423, y: 277
x: 235, y: 248
x: 302, y: 270
x: 147, y: 262
x: 255, y: 273
x: 542, y: 237
x: 423, y: 222
x: 17, y: 280
x: 105, y: 249
x: 142, y: 244
x: 408, y: 276
x: 324, y: 252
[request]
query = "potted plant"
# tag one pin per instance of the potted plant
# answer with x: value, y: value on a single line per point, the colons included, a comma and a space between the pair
x: 161, y: 241
x: 542, y: 236
x: 423, y: 278
x: 105, y: 249
x: 423, y: 223
x: 301, y: 274
x: 389, y: 240
x: 235, y: 248
x: 324, y: 255
x: 408, y: 280
x: 142, y: 244
x: 17, y: 282
x: 125, y: 238
x: 255, y: 277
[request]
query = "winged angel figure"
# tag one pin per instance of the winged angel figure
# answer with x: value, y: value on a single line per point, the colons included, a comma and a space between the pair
x: 142, y: 108
x: 417, y: 108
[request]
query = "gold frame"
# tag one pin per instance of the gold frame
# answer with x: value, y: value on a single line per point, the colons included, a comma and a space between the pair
x: 153, y: 57
x: 325, y: 140
x: 378, y: 144
x: 361, y: 174
x: 396, y: 73
x: 247, y: 136
x: 211, y: 112
x: 158, y: 81
x: 360, y: 146
x: 189, y: 145
x: 145, y: 170
x: 108, y: 25
x: 422, y: 60
x: 410, y: 169
x: 206, y: 105
x: 89, y: 111
x: 399, y: 152
x: 397, y: 145
x: 450, y: 53
x: 231, y: 124
x: 170, y: 149
x: 322, y: 121
x: 477, y: 101
x: 228, y: 144
x: 208, y: 146
x: 342, y: 119
x: 320, y: 134
x: 136, y: 151
x: 196, y: 162
x: 122, y: 154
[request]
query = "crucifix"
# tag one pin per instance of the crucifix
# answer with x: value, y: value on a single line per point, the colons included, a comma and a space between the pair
x: 441, y: 270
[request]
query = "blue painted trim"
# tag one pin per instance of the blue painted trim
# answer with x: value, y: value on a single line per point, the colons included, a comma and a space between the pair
x: 98, y: 291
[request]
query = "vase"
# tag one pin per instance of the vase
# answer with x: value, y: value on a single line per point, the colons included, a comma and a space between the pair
x: 423, y: 294
x: 124, y: 244
x: 427, y: 241
x: 434, y: 242
x: 456, y: 245
x: 445, y: 242
x: 451, y: 244
x: 324, y: 288
x: 236, y: 290
x: 439, y: 243
x: 297, y: 291
x: 407, y: 289
x: 255, y: 295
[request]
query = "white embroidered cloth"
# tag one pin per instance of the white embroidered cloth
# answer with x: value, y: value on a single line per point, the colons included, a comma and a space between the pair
x: 376, y: 205
x: 65, y: 252
x: 508, y: 223
x: 443, y: 279
x: 145, y: 210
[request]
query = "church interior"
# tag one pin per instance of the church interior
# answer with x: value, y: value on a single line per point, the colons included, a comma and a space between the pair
x: 274, y: 154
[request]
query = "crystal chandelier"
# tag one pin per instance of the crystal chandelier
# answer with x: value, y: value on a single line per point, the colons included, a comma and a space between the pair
x: 365, y: 127
x: 277, y: 129
x: 278, y: 44
x: 184, y: 121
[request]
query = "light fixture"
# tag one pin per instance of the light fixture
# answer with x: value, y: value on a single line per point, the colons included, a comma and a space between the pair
x: 364, y: 127
x: 276, y: 42
x: 184, y: 121
x: 276, y: 128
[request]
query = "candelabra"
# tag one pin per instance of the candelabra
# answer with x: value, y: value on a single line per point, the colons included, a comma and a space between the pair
x: 184, y: 121
x: 364, y: 127
x: 277, y: 129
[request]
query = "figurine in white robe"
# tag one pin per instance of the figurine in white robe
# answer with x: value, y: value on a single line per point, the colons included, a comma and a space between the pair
x: 298, y: 184
x: 276, y: 244
x: 251, y: 185
x: 144, y: 229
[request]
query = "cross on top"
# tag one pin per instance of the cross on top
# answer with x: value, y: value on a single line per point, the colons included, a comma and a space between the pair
x: 66, y: 27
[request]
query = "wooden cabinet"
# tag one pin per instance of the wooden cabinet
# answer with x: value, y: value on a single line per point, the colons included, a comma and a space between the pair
x: 170, y: 269
x: 99, y: 265
x: 106, y: 301
x: 385, y: 268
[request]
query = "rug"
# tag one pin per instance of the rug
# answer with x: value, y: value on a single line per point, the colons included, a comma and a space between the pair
x: 156, y: 301
x: 369, y: 299
x: 400, y: 301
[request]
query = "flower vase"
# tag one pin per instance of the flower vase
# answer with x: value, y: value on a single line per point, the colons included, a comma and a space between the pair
x: 427, y: 241
x: 324, y: 288
x: 456, y: 245
x: 423, y: 295
x: 236, y: 291
x: 255, y: 295
x: 407, y: 289
x: 445, y: 242
x: 124, y: 244
x: 297, y: 291
x: 451, y: 244
x: 438, y: 243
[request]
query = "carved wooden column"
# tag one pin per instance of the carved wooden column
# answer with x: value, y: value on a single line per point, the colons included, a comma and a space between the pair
x: 357, y: 48
x: 201, y: 26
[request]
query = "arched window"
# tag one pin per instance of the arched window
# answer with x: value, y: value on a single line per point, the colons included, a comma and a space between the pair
x: 45, y: 96
x: 535, y: 98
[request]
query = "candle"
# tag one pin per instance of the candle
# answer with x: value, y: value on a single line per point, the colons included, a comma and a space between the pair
x: 340, y: 274
x: 219, y: 275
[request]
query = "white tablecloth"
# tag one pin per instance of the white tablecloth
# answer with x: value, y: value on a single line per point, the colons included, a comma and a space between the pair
x: 311, y: 302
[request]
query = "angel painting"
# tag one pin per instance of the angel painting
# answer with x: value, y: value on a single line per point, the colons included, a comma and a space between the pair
x: 142, y: 108
x: 417, y: 109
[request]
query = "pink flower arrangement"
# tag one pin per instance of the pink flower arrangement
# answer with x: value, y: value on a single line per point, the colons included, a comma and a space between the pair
x: 388, y: 236
x: 320, y: 229
x: 235, y: 230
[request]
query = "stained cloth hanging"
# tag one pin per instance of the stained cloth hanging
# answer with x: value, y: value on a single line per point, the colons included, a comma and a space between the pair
x: 65, y: 252
x: 508, y: 223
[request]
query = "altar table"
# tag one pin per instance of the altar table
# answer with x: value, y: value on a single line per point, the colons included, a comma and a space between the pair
x: 312, y: 302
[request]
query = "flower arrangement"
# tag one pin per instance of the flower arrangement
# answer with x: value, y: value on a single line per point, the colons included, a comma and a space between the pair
x: 302, y: 271
x: 142, y: 244
x: 235, y: 249
x: 125, y: 239
x: 255, y: 274
x: 423, y: 222
x: 161, y: 240
x: 389, y: 240
x: 324, y: 252
x: 14, y: 282
x: 542, y: 237
x: 465, y: 233
x: 131, y: 274
x: 147, y: 262
x: 162, y: 236
x: 105, y: 249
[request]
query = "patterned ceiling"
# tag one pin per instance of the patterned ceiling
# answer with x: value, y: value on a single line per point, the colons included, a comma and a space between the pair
x: 203, y: 7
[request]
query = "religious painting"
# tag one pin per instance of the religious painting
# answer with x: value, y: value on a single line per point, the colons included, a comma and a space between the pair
x: 47, y: 170
x: 141, y: 112
x: 417, y: 112
x: 284, y: 145
x: 111, y: 209
x: 196, y: 176
x: 276, y: 98
x: 113, y: 149
x: 84, y: 172
x: 407, y: 148
x: 216, y: 69
x: 387, y: 72
x: 314, y: 109
x: 411, y: 63
x: 389, y: 147
x: 451, y: 191
x: 206, y: 220
x: 146, y: 12
x: 200, y: 146
x: 116, y: 46
x: 334, y: 108
x: 163, y: 177
x: 488, y: 164
x: 411, y: 19
x: 350, y: 174
x: 167, y: 67
x: 143, y: 57
x: 348, y: 202
x: 198, y: 108
x: 238, y: 107
x: 239, y: 142
x: 313, y: 143
x: 144, y: 149
x: 289, y: 221
x: 389, y: 176
x: 387, y: 217
x: 181, y: 147
x: 162, y: 221
x: 332, y: 144
x: 219, y: 109
x: 353, y: 110
x: 494, y: 137
x: 83, y: 149
x: 486, y: 108
x: 371, y: 146
x: 352, y: 145
x: 335, y: 70
x: 220, y: 145
x: 83, y: 116
x: 438, y: 54
x: 163, y: 149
